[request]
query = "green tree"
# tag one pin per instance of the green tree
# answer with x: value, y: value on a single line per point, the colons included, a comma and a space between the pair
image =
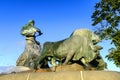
x: 107, y: 15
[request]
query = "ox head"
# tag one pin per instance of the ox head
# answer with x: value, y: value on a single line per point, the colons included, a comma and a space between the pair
x: 92, y: 39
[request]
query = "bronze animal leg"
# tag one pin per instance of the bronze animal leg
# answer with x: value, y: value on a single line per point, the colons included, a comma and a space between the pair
x: 69, y: 56
x: 87, y: 65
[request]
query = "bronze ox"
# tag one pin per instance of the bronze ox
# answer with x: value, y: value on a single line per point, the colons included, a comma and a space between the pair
x: 80, y: 46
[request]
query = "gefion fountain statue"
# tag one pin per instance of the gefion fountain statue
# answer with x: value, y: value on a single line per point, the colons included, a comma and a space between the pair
x: 32, y: 48
x: 74, y: 58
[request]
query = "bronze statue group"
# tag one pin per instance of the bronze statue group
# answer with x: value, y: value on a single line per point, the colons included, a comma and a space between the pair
x: 80, y: 48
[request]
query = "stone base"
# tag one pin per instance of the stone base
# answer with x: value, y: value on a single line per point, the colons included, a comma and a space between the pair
x: 72, y: 67
x: 64, y: 75
x: 64, y: 72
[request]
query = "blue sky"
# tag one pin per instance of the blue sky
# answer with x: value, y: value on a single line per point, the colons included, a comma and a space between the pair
x: 57, y: 19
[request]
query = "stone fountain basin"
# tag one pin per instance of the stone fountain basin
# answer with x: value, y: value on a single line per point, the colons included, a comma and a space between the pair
x: 63, y: 75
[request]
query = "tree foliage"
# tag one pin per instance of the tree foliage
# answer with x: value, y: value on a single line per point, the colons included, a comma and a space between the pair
x: 107, y: 14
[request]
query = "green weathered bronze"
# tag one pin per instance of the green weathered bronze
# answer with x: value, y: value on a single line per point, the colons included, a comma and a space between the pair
x: 30, y: 30
x: 32, y: 48
x: 80, y: 46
